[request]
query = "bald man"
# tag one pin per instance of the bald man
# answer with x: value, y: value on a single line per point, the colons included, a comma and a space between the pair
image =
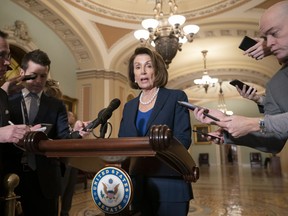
x: 254, y: 132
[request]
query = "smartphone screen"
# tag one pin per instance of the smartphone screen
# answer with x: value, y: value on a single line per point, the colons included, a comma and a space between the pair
x: 247, y: 42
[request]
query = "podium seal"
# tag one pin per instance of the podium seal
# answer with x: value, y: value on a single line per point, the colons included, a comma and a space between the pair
x: 111, y: 190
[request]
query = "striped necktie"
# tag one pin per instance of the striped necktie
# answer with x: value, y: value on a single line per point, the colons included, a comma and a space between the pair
x: 33, y: 107
x: 32, y: 114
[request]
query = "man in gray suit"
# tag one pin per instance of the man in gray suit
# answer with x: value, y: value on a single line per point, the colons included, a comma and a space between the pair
x: 254, y: 132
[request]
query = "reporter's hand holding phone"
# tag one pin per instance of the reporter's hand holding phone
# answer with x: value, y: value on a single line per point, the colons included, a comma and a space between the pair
x: 199, y: 115
x: 79, y: 125
x: 250, y: 93
x: 247, y: 91
x: 13, y: 85
x: 259, y: 50
x: 219, y: 134
x: 208, y: 136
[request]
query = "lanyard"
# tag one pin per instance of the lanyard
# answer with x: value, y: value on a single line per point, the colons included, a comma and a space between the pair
x: 25, y: 113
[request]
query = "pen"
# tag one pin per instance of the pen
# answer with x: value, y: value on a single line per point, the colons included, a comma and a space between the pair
x: 11, y: 123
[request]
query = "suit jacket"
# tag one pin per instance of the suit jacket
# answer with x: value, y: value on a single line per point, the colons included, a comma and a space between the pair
x: 51, y: 111
x: 166, y: 111
x: 276, y: 102
x: 4, y: 116
x: 4, y: 113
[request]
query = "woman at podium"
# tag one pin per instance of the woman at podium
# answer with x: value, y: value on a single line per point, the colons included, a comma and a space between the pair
x: 158, y: 189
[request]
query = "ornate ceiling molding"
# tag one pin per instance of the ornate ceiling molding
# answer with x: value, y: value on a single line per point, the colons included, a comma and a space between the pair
x: 135, y: 16
x: 19, y: 35
x: 60, y: 27
x: 101, y: 74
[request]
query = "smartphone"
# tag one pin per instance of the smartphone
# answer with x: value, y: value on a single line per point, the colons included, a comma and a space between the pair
x: 29, y: 77
x: 240, y: 84
x: 188, y: 105
x: 247, y: 42
x: 205, y: 134
x: 192, y: 107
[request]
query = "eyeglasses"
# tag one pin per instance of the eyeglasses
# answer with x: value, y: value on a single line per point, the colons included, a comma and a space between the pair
x: 4, y: 55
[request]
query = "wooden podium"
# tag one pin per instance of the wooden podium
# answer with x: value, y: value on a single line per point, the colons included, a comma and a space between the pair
x: 112, y: 152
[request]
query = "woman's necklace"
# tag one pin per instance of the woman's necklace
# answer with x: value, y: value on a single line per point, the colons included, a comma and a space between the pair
x: 151, y: 99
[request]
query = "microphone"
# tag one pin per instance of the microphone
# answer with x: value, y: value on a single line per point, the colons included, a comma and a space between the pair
x: 102, y: 118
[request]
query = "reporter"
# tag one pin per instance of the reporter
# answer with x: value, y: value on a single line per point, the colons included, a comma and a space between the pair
x: 274, y: 30
x: 40, y: 176
x: 9, y: 134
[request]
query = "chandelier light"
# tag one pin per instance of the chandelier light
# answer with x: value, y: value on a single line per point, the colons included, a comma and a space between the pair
x: 166, y: 33
x: 206, y: 80
x: 221, y: 102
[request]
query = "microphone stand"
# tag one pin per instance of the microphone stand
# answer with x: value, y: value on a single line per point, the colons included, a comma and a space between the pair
x: 103, y: 130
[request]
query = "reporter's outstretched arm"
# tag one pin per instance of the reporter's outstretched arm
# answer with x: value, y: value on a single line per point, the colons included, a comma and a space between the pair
x: 13, y: 85
x: 239, y: 126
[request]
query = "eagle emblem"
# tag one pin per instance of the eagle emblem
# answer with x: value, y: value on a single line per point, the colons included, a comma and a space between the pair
x: 110, y: 191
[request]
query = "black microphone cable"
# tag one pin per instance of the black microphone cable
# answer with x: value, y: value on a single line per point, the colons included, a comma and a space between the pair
x: 103, y: 130
x: 102, y: 118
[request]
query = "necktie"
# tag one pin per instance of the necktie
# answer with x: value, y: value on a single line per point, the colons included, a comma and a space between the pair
x: 33, y: 107
x: 32, y: 114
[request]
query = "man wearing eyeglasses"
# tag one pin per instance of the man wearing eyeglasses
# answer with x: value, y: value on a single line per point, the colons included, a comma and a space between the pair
x: 4, y: 54
x: 8, y: 133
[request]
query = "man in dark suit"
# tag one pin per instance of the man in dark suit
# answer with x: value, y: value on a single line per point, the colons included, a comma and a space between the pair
x: 8, y: 133
x: 40, y: 176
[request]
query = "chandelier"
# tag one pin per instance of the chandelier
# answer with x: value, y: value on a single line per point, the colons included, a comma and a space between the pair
x: 206, y: 80
x: 221, y: 102
x: 165, y: 33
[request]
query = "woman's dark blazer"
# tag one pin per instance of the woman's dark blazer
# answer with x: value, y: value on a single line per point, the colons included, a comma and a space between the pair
x: 166, y: 111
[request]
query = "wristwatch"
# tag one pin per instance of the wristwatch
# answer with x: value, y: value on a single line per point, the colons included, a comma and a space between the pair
x: 262, y: 125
